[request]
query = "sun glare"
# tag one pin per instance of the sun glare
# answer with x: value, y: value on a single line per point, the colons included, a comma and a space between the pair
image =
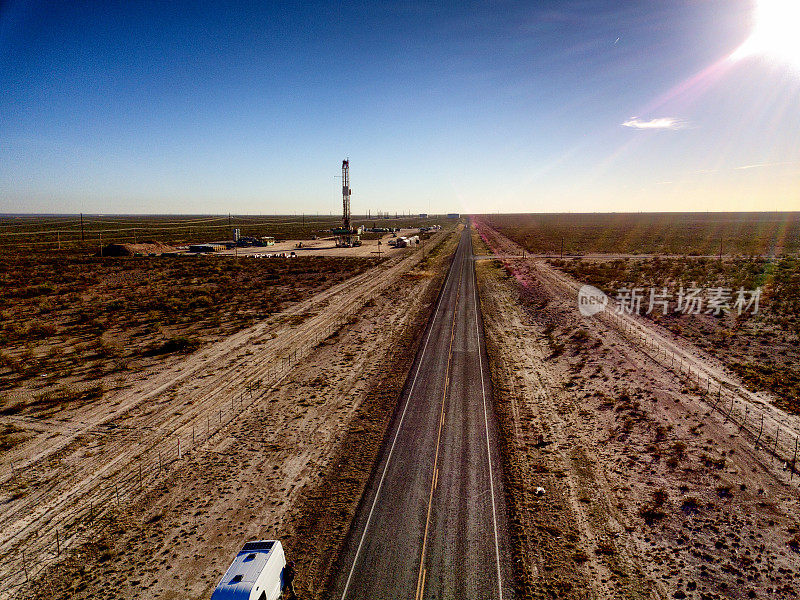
x: 776, y: 33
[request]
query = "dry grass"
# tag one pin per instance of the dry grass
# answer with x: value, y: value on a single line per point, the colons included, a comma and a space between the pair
x: 654, y: 233
x: 69, y: 321
x: 762, y: 349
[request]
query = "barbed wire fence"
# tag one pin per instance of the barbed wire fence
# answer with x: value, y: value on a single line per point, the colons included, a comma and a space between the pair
x: 33, y: 549
x: 753, y: 418
x: 73, y: 521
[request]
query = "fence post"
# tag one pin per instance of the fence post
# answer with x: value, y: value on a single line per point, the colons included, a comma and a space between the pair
x: 179, y: 448
x: 758, y: 439
x: 733, y: 400
x: 719, y: 399
x: 775, y: 448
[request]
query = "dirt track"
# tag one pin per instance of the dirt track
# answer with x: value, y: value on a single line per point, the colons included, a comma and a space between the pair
x: 76, y: 473
x: 648, y: 493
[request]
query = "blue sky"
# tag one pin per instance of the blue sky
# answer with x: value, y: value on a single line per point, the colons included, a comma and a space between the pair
x: 137, y: 107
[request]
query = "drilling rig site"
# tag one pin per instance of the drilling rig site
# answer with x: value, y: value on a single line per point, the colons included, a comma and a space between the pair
x: 400, y: 301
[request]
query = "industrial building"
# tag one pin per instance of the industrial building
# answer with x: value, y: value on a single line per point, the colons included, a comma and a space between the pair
x: 206, y: 248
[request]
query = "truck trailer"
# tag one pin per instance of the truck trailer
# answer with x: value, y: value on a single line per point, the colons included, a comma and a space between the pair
x: 257, y: 573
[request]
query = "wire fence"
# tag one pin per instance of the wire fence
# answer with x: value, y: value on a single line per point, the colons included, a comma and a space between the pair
x: 770, y: 430
x: 52, y: 532
x: 757, y: 421
x: 72, y: 522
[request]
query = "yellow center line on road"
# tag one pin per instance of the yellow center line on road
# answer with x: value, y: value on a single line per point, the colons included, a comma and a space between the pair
x: 434, y: 474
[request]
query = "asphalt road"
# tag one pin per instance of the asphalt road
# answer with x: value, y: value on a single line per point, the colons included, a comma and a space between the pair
x: 433, y: 521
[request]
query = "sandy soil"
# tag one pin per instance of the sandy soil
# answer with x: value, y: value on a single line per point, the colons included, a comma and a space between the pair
x: 287, y: 390
x: 700, y: 370
x: 648, y: 493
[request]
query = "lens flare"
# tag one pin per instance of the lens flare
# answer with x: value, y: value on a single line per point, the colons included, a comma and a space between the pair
x: 776, y: 33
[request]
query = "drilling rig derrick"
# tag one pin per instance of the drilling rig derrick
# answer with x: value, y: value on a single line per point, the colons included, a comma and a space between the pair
x: 346, y: 195
x: 346, y: 237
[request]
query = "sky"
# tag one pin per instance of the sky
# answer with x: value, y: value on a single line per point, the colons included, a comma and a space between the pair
x: 249, y: 108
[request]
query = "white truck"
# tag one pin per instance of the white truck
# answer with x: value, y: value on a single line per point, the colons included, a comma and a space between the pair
x: 255, y: 574
x: 405, y: 242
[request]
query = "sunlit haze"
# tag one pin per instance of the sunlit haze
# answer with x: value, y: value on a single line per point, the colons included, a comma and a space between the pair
x: 775, y: 33
x: 167, y: 107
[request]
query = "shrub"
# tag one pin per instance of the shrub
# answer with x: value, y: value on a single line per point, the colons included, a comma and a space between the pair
x: 690, y: 505
x: 651, y: 514
x: 580, y: 557
x: 679, y: 449
x: 177, y: 343
x: 605, y: 548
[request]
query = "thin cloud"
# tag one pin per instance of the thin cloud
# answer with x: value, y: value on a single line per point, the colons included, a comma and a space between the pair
x: 763, y: 165
x: 660, y: 123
